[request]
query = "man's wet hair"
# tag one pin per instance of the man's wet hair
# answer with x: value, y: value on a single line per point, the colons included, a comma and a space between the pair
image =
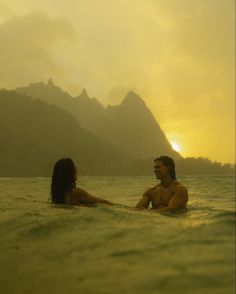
x: 169, y: 163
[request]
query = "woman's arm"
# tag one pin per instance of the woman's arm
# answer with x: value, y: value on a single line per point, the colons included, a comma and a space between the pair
x: 79, y: 196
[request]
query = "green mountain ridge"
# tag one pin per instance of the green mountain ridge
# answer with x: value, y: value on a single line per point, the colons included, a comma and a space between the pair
x: 34, y: 135
x: 129, y: 126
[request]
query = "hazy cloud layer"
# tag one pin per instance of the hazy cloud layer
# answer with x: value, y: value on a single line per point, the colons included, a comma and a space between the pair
x: 32, y: 48
x: 178, y: 55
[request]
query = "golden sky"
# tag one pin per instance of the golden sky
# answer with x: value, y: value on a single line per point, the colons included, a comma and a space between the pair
x: 178, y: 55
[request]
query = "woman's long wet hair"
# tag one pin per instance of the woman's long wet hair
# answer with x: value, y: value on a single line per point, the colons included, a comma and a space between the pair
x: 169, y: 163
x: 63, y: 179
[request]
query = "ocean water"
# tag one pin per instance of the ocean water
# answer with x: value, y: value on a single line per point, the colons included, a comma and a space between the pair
x: 49, y: 248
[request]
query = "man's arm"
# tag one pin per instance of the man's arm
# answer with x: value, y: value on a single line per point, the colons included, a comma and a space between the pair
x: 178, y: 200
x: 145, y: 201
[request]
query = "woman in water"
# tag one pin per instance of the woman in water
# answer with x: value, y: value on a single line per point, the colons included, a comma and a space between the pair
x: 63, y: 186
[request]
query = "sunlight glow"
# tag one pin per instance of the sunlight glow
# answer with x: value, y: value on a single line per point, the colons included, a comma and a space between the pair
x: 175, y: 146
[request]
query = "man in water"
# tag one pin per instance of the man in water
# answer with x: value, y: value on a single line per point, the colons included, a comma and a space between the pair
x: 169, y: 194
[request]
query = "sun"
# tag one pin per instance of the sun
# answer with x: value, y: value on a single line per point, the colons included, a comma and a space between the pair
x: 175, y: 146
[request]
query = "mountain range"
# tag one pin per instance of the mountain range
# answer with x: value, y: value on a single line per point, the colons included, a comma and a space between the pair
x: 130, y: 126
x: 41, y: 123
x: 34, y: 135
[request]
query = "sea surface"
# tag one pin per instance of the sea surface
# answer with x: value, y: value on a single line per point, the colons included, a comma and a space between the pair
x: 57, y: 249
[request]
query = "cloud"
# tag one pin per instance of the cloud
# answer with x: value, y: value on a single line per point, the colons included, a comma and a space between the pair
x: 178, y: 55
x: 200, y: 44
x: 28, y: 45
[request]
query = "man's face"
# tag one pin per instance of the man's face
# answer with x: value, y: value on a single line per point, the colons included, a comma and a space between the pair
x: 160, y: 169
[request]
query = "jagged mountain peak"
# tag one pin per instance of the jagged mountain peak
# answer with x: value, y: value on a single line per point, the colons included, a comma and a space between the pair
x: 130, y: 126
x: 84, y: 93
x: 51, y: 85
x: 132, y: 99
x: 41, y: 86
x: 86, y: 101
x: 50, y: 82
x: 83, y: 96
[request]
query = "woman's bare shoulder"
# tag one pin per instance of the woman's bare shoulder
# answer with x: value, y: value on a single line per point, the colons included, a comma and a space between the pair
x: 78, y: 192
x: 74, y: 197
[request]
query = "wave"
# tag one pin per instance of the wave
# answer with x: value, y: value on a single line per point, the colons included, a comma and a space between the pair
x: 226, y: 217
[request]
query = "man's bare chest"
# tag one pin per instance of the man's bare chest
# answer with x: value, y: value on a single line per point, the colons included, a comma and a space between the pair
x: 161, y: 196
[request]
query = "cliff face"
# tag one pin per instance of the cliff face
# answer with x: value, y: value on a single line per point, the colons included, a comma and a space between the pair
x: 34, y: 135
x: 87, y: 111
x: 129, y: 126
x: 132, y: 127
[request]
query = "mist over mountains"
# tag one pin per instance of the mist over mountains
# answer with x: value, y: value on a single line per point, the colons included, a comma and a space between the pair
x: 41, y: 123
x: 34, y: 135
x: 129, y: 126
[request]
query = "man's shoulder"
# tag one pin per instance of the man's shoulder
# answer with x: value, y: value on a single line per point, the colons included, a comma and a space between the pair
x: 179, y: 187
x: 178, y: 184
